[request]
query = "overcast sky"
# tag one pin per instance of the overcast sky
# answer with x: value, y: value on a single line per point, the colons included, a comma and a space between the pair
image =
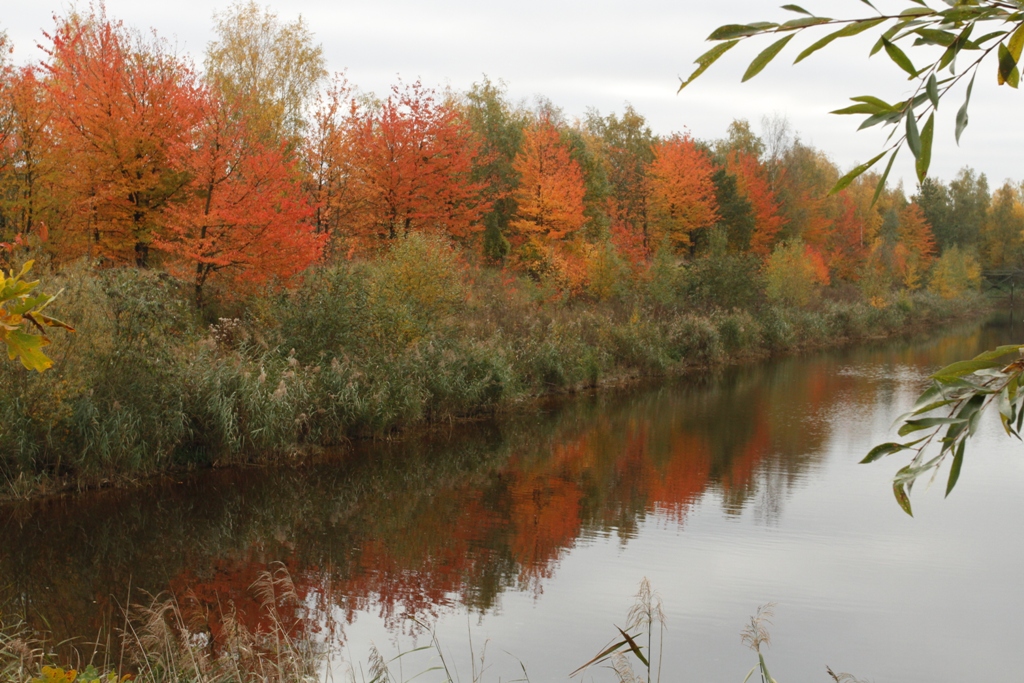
x: 600, y: 54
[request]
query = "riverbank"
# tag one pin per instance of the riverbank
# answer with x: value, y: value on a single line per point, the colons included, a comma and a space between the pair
x: 363, y: 349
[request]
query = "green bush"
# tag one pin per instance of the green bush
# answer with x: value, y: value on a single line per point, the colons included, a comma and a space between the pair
x: 776, y: 328
x: 726, y: 281
x: 694, y: 341
x: 739, y: 331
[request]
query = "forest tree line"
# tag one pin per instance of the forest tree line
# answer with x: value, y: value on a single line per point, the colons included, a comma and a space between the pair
x: 255, y: 167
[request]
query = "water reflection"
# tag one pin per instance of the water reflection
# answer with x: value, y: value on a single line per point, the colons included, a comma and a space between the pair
x: 455, y: 520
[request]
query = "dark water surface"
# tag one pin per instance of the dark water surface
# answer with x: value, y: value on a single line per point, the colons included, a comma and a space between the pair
x: 532, y: 533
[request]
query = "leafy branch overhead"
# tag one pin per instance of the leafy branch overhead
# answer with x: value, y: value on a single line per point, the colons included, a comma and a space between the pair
x: 965, y: 33
x: 22, y: 321
x: 961, y: 393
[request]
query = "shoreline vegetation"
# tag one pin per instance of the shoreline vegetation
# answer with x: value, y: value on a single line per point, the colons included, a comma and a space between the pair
x: 363, y: 349
x: 260, y: 260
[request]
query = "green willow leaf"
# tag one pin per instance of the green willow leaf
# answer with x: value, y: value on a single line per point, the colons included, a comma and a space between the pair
x: 885, y: 176
x: 917, y: 12
x: 859, y: 108
x: 845, y: 181
x: 1000, y: 352
x: 850, y: 30
x: 965, y: 367
x: 899, y: 57
x: 882, y: 450
x: 911, y: 426
x: 1008, y: 73
x: 901, y: 497
x: 932, y: 88
x: 730, y: 31
x: 1016, y: 43
x: 766, y: 56
x: 798, y: 9
x: 954, y: 471
x: 707, y: 59
x: 805, y: 22
x: 924, y: 160
x: 930, y: 36
x: 913, y: 136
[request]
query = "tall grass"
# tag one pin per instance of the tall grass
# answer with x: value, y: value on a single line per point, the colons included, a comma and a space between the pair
x: 166, y: 642
x: 363, y: 348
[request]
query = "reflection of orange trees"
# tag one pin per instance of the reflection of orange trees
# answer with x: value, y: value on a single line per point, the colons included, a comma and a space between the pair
x: 684, y: 478
x: 545, y: 518
x: 419, y: 532
x: 228, y: 598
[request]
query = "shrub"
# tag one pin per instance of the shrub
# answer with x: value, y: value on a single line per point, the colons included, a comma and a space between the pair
x: 726, y: 281
x: 794, y: 275
x: 694, y: 340
x: 955, y: 273
x: 414, y: 290
x: 738, y: 331
x: 776, y: 329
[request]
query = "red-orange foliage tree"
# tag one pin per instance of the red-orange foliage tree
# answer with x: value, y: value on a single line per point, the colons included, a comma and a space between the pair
x: 414, y: 158
x: 27, y: 170
x: 915, y: 232
x: 915, y: 249
x: 332, y: 182
x: 754, y: 185
x: 244, y: 214
x: 549, y: 197
x: 124, y: 114
x: 682, y: 190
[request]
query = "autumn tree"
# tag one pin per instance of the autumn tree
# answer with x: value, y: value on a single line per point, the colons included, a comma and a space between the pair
x: 586, y: 149
x: 846, y: 248
x: 754, y: 185
x: 265, y: 69
x: 328, y: 155
x: 124, y: 113
x: 414, y: 159
x: 1003, y: 238
x: 244, y: 216
x: 805, y: 177
x: 914, y: 249
x: 27, y: 160
x: 681, y: 191
x: 549, y: 197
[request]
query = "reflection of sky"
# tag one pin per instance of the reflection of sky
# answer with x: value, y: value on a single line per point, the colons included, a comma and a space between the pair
x: 860, y: 586
x: 602, y: 54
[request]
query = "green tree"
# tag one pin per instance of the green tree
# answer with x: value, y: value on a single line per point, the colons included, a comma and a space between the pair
x: 969, y: 200
x: 628, y: 150
x: 586, y: 150
x: 933, y: 198
x: 267, y: 70
x: 499, y: 126
x: 735, y: 215
x: 740, y: 138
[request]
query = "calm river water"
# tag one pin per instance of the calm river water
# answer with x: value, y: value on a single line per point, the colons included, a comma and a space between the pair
x: 533, y: 533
